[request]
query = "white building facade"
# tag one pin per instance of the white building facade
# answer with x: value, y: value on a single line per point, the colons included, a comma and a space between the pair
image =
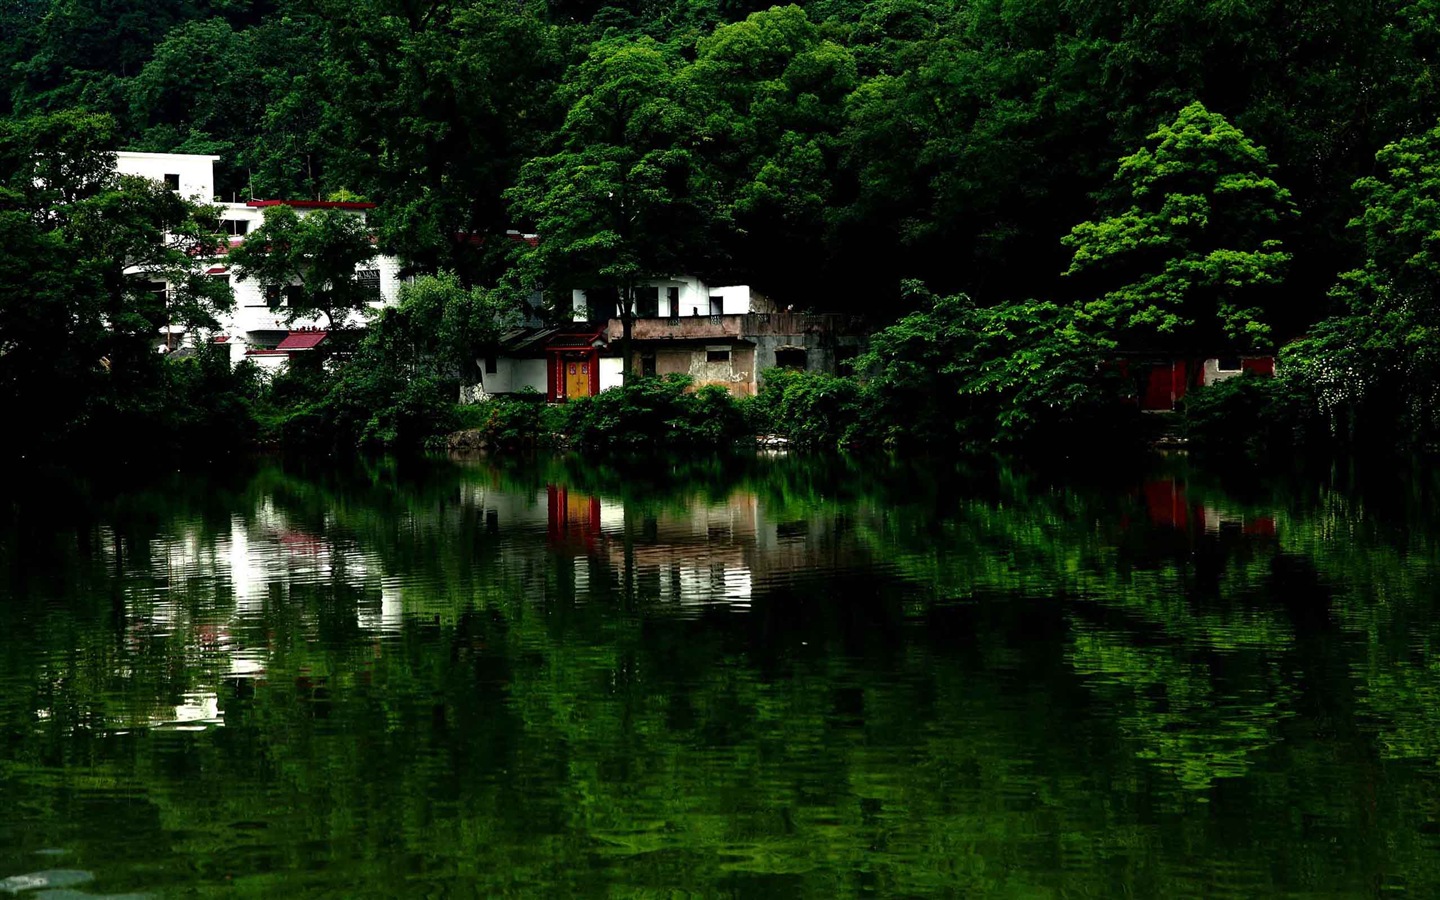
x: 254, y: 328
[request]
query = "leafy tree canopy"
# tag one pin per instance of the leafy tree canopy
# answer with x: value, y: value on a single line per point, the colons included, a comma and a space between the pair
x: 1195, y: 252
x: 310, y: 261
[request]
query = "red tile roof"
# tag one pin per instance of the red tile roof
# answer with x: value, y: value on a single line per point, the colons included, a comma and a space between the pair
x: 301, y: 340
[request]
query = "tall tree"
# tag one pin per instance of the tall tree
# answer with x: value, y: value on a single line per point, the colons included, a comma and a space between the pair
x: 1194, y: 254
x: 773, y: 93
x: 623, y: 198
x: 79, y: 318
x: 1374, y: 368
x: 436, y: 106
x: 309, y: 263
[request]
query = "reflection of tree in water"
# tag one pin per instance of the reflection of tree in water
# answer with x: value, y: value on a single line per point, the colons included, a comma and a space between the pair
x: 932, y: 708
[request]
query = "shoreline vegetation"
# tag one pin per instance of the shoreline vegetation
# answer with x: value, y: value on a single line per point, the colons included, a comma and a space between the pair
x: 1013, y: 198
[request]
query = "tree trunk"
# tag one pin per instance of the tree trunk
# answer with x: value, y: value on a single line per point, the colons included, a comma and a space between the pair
x: 627, y: 328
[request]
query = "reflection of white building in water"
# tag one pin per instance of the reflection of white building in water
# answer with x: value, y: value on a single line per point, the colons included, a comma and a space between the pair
x: 207, y: 596
x: 207, y: 602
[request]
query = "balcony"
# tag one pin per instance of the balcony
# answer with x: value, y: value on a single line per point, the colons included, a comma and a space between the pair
x: 732, y: 327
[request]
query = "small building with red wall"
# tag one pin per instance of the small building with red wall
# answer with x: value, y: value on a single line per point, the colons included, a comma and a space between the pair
x: 1163, y: 381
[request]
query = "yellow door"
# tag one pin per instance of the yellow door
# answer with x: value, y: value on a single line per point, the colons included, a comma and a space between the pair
x: 577, y: 379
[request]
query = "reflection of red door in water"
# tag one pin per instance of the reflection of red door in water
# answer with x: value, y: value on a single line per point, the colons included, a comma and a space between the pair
x: 573, y: 517
x: 1164, y: 386
x: 1166, y: 503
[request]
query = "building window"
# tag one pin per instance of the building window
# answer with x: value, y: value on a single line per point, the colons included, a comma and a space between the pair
x: 158, y: 290
x: 172, y: 181
x: 492, y: 365
x: 647, y: 302
x: 1228, y: 364
x: 672, y: 302
x: 369, y: 281
x: 717, y: 356
x: 717, y: 306
x: 235, y: 227
x: 277, y: 296
x: 647, y: 364
x: 791, y: 358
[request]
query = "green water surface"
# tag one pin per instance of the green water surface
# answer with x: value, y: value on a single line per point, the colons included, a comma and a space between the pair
x: 763, y: 677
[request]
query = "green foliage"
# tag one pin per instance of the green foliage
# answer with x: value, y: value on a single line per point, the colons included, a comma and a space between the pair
x: 511, y: 422
x: 810, y: 409
x: 1194, y: 255
x: 79, y: 323
x: 438, y: 327
x: 1249, y: 416
x: 820, y: 152
x: 622, y: 198
x: 309, y: 262
x: 1373, y: 370
x: 955, y: 374
x: 651, y: 414
x: 771, y: 90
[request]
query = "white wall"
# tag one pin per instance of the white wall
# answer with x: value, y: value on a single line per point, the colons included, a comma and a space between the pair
x: 512, y: 375
x: 735, y: 299
x: 611, y: 372
x: 1213, y: 373
x: 694, y: 299
x: 197, y: 173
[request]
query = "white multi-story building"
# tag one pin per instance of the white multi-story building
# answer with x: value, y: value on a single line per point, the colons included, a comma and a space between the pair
x: 255, y: 328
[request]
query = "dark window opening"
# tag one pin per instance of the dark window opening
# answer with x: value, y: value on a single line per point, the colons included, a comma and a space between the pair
x: 601, y: 303
x: 647, y: 364
x: 369, y: 281
x: 492, y: 365
x: 672, y: 302
x: 647, y: 302
x: 791, y: 358
x: 289, y: 295
x: 159, y: 293
x: 172, y: 181
x: 792, y: 530
x: 717, y: 306
x: 235, y: 227
x: 715, y: 356
x: 1228, y: 364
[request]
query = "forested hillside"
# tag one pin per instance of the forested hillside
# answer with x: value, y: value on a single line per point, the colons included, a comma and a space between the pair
x: 822, y: 152
x: 1036, y: 183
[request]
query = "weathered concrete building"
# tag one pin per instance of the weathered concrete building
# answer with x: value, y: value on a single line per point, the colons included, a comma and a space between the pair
x: 726, y: 336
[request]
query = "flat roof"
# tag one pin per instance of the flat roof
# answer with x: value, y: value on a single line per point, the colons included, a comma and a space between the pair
x: 312, y: 204
x: 141, y: 155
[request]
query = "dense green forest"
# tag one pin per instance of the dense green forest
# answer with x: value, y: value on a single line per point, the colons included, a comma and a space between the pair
x: 1035, y: 183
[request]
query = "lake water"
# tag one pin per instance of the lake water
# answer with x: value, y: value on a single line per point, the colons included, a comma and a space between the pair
x: 761, y: 677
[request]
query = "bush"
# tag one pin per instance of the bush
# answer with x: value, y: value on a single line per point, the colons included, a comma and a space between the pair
x: 652, y: 412
x: 811, y: 409
x: 1248, y: 415
x: 509, y: 422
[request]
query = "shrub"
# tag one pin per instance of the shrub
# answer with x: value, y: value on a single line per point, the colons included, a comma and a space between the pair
x: 1248, y: 415
x: 654, y: 412
x: 508, y: 422
x: 809, y: 408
